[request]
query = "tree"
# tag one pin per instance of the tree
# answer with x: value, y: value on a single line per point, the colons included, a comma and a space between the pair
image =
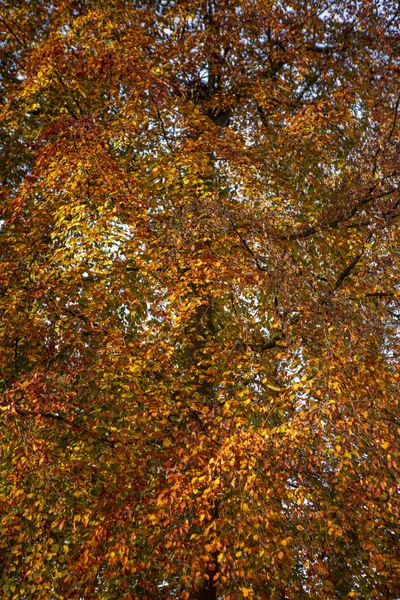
x: 199, y: 296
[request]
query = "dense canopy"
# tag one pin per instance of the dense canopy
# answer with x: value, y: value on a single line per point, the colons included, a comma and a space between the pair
x: 199, y: 299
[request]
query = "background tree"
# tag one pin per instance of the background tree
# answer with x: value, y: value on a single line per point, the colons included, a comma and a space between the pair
x: 200, y: 280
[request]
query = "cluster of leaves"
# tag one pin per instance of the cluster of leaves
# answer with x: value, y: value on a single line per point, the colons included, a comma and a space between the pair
x: 199, y: 301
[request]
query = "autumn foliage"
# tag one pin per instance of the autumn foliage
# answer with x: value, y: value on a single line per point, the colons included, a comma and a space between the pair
x: 199, y: 299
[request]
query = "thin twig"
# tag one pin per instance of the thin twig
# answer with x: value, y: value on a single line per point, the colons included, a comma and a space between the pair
x: 394, y: 118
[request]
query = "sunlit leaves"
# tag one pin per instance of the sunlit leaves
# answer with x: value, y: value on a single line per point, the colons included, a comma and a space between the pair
x: 199, y: 300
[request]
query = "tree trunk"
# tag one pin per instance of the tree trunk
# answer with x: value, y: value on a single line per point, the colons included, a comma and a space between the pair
x: 202, y: 327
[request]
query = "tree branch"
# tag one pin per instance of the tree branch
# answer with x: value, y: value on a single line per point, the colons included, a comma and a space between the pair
x: 347, y: 271
x: 342, y: 218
